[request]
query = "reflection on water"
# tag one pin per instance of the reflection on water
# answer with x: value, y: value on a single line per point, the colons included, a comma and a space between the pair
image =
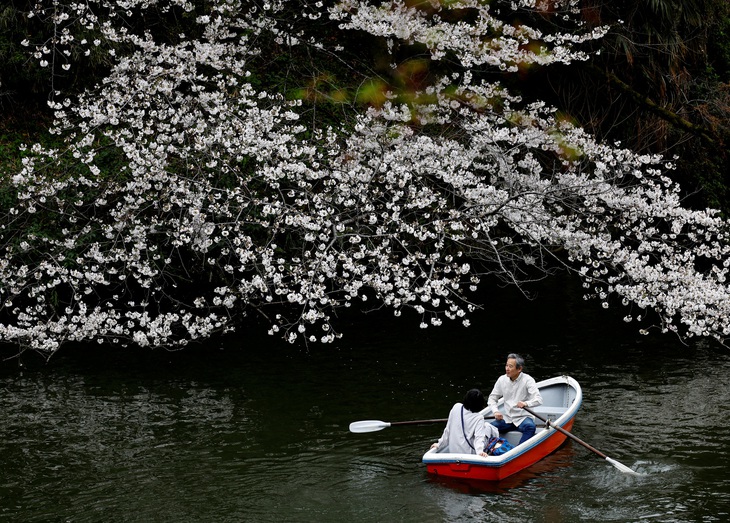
x: 258, y: 431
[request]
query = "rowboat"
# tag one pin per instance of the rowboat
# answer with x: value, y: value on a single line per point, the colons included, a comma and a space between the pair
x: 562, y: 397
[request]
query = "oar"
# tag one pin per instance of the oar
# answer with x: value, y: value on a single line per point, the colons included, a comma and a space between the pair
x: 623, y: 468
x: 374, y: 425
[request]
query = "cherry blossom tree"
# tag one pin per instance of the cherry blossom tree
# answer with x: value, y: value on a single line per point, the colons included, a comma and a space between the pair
x: 191, y: 188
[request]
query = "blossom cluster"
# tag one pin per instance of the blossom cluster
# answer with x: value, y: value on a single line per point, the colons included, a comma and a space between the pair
x: 187, y: 196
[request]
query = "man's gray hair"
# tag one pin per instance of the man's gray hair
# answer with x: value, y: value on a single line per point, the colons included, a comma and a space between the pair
x: 519, y: 360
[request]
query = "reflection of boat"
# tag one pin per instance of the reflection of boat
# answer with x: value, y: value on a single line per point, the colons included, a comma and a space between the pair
x: 562, y: 397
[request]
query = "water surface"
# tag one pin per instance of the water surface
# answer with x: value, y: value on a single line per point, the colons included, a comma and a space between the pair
x: 251, y: 429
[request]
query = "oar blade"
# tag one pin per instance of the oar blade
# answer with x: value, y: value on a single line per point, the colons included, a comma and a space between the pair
x: 370, y: 425
x: 623, y: 468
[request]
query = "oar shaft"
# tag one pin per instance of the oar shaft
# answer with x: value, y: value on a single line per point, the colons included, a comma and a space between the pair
x: 426, y: 421
x: 419, y: 421
x: 620, y: 466
x: 562, y: 430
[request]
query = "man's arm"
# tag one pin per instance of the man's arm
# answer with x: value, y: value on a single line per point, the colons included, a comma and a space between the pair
x: 534, y: 398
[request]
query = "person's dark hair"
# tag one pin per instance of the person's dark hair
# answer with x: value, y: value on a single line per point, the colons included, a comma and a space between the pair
x: 519, y: 360
x: 474, y: 400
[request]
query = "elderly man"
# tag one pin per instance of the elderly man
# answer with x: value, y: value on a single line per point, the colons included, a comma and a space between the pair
x: 518, y: 390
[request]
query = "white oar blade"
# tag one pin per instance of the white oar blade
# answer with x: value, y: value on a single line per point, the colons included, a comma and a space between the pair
x: 368, y: 426
x: 623, y: 468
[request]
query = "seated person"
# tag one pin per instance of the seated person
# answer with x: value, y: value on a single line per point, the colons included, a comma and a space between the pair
x: 466, y: 431
x: 518, y: 390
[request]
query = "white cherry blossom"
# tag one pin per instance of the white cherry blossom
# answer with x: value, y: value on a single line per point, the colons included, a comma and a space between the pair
x: 188, y: 197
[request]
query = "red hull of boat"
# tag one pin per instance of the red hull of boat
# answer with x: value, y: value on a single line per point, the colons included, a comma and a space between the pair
x: 495, y: 473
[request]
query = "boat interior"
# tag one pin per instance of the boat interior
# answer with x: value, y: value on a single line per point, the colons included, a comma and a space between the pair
x: 551, y: 413
x: 556, y: 399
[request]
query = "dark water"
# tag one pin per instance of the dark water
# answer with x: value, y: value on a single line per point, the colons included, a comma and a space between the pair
x: 255, y: 430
